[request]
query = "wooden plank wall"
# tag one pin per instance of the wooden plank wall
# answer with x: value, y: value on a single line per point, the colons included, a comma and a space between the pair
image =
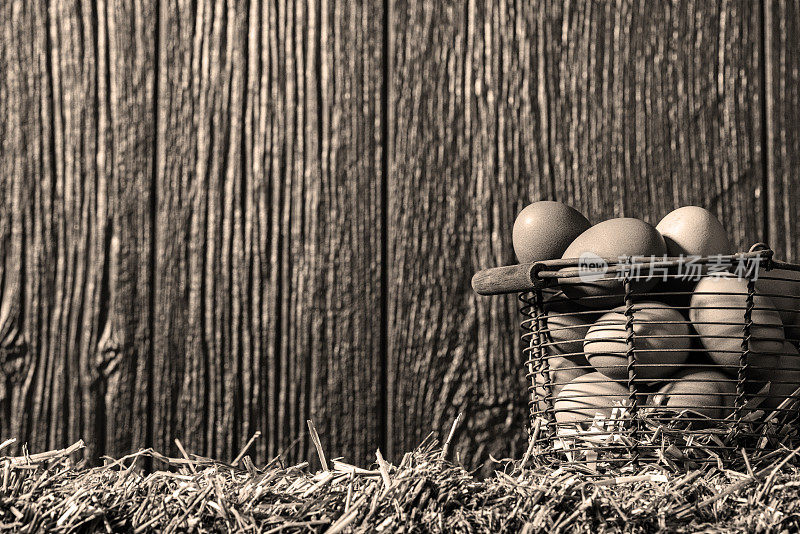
x: 223, y: 217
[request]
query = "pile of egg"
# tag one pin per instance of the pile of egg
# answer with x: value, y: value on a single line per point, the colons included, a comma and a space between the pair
x: 687, y: 336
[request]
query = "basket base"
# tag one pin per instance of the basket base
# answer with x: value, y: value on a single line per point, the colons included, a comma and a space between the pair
x: 674, y: 445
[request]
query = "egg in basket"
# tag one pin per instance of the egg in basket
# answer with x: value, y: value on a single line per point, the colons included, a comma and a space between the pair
x: 652, y: 344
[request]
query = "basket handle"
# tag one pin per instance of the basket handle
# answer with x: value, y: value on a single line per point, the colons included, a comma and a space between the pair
x: 507, y: 279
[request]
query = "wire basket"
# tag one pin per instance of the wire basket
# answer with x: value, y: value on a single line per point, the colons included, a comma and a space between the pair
x: 658, y: 360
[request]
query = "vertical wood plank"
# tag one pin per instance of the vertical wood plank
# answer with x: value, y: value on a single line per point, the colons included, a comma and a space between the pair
x: 345, y: 313
x: 268, y: 224
x: 126, y: 86
x: 44, y: 307
x: 196, y: 345
x: 449, y: 352
x: 79, y: 173
x: 65, y: 382
x: 782, y: 54
x: 26, y: 150
x: 619, y: 109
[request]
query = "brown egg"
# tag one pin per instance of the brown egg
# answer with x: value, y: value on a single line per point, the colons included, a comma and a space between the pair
x: 544, y: 230
x: 565, y: 335
x: 784, y: 378
x: 611, y: 239
x: 717, y: 314
x: 561, y: 372
x: 783, y: 287
x: 707, y: 392
x: 661, y: 340
x: 589, y: 395
x: 694, y: 231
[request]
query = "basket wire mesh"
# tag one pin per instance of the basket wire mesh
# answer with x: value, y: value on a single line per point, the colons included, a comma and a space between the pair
x: 624, y: 370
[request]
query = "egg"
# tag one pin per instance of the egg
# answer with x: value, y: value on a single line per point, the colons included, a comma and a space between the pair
x: 694, y: 231
x: 784, y: 378
x: 783, y: 287
x: 709, y: 393
x: 543, y: 230
x: 611, y: 239
x: 565, y: 333
x: 717, y: 313
x: 587, y: 396
x: 561, y: 371
x: 661, y: 341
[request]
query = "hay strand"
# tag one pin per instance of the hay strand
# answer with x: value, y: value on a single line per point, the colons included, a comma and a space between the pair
x: 446, y: 447
x: 317, y: 444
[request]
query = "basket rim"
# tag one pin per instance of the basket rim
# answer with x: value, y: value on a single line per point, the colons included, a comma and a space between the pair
x: 523, y: 277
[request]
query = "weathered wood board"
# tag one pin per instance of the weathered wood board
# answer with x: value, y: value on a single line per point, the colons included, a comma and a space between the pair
x: 77, y: 161
x: 267, y: 278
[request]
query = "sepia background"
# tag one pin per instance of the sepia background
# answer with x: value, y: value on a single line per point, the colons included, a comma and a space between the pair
x: 221, y: 217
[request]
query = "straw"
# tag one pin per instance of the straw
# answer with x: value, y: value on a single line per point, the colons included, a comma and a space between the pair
x: 422, y: 493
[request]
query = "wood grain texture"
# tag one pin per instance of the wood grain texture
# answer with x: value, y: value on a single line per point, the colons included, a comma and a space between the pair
x: 25, y: 150
x: 782, y: 38
x: 267, y: 306
x: 348, y: 395
x: 449, y: 213
x: 198, y: 192
x: 197, y: 238
x: 645, y: 107
x: 617, y: 108
x: 123, y: 356
x: 76, y: 174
